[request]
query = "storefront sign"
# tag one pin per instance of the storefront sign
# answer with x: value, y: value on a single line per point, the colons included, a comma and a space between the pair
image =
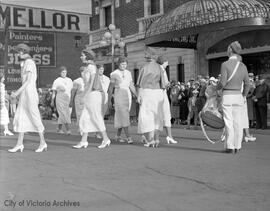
x: 42, y: 51
x: 28, y: 18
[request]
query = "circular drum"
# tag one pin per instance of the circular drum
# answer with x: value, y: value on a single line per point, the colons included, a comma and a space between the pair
x: 212, y: 120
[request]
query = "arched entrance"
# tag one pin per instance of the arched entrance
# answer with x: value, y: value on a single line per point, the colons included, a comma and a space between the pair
x: 255, y: 54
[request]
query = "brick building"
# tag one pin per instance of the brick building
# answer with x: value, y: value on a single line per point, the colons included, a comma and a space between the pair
x: 192, y: 34
x: 131, y: 18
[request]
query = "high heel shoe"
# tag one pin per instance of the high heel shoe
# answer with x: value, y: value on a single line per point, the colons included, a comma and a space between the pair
x: 119, y: 138
x: 129, y: 141
x: 81, y: 145
x: 150, y: 144
x: 143, y: 140
x: 171, y: 140
x: 8, y: 133
x: 250, y: 138
x: 41, y: 148
x: 157, y: 143
x: 105, y: 144
x: 16, y: 148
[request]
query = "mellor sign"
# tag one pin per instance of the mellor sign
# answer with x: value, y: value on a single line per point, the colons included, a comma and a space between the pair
x: 29, y: 18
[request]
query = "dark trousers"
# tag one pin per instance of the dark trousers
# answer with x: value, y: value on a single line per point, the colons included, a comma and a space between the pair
x: 261, y: 116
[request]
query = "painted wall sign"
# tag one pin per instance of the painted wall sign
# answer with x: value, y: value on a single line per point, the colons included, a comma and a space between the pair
x: 43, y: 51
x: 28, y: 18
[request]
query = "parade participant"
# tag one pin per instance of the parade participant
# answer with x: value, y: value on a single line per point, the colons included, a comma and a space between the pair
x: 27, y: 117
x: 4, y: 118
x: 77, y: 95
x: 151, y: 84
x: 166, y: 106
x: 91, y: 120
x: 122, y: 84
x: 233, y: 75
x: 61, y: 93
x: 105, y: 83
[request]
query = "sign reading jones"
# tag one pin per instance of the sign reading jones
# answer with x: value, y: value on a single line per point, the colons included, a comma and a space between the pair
x: 42, y: 51
x: 21, y: 17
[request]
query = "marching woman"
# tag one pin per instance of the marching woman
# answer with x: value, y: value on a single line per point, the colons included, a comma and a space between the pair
x: 77, y: 95
x: 61, y: 93
x: 105, y: 83
x: 122, y: 83
x: 27, y: 117
x: 4, y: 118
x: 91, y: 120
x: 233, y: 74
x: 166, y: 106
x: 151, y: 84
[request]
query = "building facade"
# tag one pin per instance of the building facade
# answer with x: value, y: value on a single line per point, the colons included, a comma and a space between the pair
x: 132, y: 18
x: 193, y: 34
x: 55, y: 37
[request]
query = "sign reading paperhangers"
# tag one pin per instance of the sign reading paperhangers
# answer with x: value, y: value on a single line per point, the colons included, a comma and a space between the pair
x: 30, y: 18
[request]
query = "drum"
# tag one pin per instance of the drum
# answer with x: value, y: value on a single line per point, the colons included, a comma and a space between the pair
x: 212, y: 120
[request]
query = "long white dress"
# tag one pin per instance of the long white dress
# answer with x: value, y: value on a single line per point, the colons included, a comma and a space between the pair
x: 78, y: 85
x: 91, y: 119
x: 105, y: 82
x: 27, y: 117
x: 4, y: 118
x: 122, y: 97
x: 166, y: 103
x: 63, y: 88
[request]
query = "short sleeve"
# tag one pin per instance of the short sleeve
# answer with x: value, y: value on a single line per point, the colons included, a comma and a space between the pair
x: 55, y: 84
x: 30, y: 65
x: 112, y: 77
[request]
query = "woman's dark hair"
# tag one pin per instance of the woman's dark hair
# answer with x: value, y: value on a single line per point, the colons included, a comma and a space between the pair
x: 62, y: 68
x: 99, y: 66
x: 122, y: 59
x: 161, y: 60
x: 88, y: 55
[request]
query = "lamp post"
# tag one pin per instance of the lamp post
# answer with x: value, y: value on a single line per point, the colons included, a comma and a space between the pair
x: 112, y: 38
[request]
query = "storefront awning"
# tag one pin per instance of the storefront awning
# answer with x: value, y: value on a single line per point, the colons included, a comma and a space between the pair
x: 198, y: 16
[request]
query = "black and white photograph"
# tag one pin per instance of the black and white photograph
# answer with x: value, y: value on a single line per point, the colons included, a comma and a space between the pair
x: 134, y: 105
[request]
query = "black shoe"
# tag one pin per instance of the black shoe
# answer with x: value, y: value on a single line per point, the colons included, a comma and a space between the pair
x: 229, y: 151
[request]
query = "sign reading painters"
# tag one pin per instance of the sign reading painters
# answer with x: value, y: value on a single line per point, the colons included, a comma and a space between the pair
x: 29, y: 18
x: 42, y: 51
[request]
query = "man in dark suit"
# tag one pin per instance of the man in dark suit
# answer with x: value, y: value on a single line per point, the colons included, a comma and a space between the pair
x: 260, y: 99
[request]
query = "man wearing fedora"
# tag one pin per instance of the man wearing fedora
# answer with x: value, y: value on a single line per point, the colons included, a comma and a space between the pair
x: 233, y: 74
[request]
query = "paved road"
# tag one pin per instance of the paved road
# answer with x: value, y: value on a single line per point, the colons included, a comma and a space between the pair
x: 191, y: 175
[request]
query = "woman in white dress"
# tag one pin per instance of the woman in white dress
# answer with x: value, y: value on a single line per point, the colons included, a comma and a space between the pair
x: 151, y: 84
x: 4, y: 118
x: 166, y: 106
x: 122, y: 84
x: 27, y: 117
x: 105, y: 83
x: 62, y: 92
x: 91, y: 120
x: 77, y: 95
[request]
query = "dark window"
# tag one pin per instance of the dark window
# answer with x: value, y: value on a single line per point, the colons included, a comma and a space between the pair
x: 136, y: 75
x: 155, y: 7
x: 108, y: 15
x: 168, y: 72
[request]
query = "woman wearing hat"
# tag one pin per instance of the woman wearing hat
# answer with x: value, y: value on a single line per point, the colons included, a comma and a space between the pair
x: 122, y: 83
x: 27, y: 117
x: 91, y: 120
x: 166, y: 104
x: 62, y: 87
x: 151, y: 84
x: 233, y: 75
x: 4, y: 118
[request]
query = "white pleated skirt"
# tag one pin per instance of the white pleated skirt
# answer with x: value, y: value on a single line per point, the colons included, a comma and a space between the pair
x: 91, y: 118
x: 151, y: 111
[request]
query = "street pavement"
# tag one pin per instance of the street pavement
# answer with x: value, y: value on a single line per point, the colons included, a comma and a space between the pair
x: 191, y: 175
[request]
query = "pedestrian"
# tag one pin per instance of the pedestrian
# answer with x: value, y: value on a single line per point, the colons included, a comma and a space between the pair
x: 151, y: 84
x: 77, y: 95
x: 163, y: 62
x: 175, y: 103
x: 62, y: 87
x: 91, y: 120
x: 4, y: 117
x: 27, y: 117
x: 193, y: 109
x: 260, y: 98
x: 233, y: 75
x: 105, y: 83
x: 122, y: 84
